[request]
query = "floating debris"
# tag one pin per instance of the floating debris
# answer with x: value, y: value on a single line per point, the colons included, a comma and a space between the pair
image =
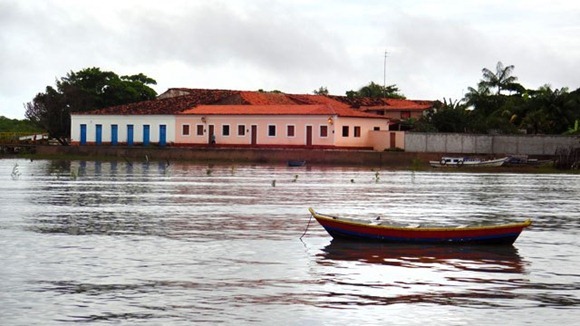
x: 15, y: 172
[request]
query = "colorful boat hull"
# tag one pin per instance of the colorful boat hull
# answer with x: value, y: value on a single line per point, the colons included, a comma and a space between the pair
x: 340, y: 228
x: 456, y: 162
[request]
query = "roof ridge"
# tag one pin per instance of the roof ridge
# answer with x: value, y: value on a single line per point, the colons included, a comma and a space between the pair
x: 176, y: 100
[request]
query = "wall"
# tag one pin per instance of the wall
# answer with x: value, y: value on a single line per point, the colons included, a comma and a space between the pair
x: 244, y: 155
x: 154, y: 121
x: 381, y: 140
x: 281, y: 122
x: 487, y: 144
x: 365, y: 125
x: 175, y: 135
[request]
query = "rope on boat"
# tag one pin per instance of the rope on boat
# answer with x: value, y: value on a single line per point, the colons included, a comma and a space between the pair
x: 307, y: 225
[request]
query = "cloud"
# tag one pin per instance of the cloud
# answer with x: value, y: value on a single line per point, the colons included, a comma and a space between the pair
x: 436, y: 49
x: 277, y: 43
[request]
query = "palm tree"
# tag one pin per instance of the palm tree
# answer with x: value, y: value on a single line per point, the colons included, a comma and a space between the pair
x: 502, y: 79
x: 473, y: 97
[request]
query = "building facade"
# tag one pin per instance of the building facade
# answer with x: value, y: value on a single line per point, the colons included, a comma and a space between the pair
x: 186, y: 117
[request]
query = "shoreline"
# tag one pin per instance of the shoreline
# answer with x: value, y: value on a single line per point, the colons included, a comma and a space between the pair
x: 389, y: 160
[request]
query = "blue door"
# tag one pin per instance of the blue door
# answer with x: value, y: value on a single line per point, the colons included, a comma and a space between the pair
x: 99, y: 134
x: 114, y: 135
x: 146, y: 135
x: 129, y: 135
x: 83, y: 134
x: 162, y: 135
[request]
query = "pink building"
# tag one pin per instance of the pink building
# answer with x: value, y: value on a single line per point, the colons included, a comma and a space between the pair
x: 302, y: 125
x: 197, y: 117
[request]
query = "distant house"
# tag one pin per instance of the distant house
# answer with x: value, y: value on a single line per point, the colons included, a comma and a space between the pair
x: 197, y: 117
x: 397, y: 110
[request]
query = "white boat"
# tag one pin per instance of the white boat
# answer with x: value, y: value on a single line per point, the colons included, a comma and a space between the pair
x: 447, y: 161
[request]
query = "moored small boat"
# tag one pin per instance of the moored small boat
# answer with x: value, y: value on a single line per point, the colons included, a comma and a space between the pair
x: 375, y: 230
x: 448, y: 161
x: 296, y: 163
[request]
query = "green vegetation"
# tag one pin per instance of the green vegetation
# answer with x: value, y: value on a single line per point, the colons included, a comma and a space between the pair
x: 374, y: 90
x: 500, y: 105
x: 18, y: 126
x: 82, y: 91
x: 497, y: 104
x: 321, y: 91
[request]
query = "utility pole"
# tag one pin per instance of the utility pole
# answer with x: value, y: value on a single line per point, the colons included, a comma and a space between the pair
x: 385, y: 75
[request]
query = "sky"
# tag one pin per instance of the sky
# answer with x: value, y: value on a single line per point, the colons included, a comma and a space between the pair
x: 434, y: 50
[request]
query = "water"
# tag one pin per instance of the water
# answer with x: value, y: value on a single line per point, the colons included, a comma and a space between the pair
x: 181, y: 244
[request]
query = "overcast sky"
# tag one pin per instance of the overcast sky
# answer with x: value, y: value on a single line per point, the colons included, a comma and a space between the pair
x: 435, y: 49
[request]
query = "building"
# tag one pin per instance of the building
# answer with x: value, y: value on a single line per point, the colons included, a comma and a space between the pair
x: 198, y: 117
x: 399, y: 111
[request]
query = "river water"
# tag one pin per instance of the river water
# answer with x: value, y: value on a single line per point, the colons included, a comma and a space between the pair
x: 162, y: 243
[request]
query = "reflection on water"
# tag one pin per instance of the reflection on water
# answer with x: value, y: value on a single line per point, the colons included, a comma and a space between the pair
x: 446, y: 275
x: 504, y: 259
x: 167, y: 243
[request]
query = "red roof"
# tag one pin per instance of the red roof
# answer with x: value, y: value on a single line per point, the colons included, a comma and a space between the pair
x: 284, y: 109
x: 366, y: 103
x: 182, y: 100
x: 167, y: 105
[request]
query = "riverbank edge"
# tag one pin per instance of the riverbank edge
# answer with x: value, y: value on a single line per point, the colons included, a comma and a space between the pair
x: 395, y: 160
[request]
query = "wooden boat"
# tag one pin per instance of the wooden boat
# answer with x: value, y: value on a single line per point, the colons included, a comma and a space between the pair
x: 296, y: 163
x: 447, y: 161
x: 375, y: 230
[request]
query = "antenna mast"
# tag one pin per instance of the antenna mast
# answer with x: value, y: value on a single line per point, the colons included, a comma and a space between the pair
x: 385, y: 75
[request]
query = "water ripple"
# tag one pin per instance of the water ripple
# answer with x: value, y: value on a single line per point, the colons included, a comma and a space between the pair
x: 151, y: 243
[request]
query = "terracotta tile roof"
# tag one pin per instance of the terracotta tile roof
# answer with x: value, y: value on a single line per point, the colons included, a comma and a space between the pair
x: 288, y: 109
x: 283, y: 109
x: 176, y: 100
x: 261, y: 98
x: 397, y: 105
x: 167, y: 105
x: 365, y: 103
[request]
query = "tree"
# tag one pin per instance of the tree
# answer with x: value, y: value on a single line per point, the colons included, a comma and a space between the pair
x: 549, y: 111
x: 492, y: 110
x: 374, y: 90
x: 15, y: 125
x: 447, y: 116
x: 321, y: 91
x: 502, y: 79
x: 49, y: 111
x: 82, y: 91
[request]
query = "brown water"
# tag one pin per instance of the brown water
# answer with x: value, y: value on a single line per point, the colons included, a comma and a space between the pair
x: 178, y: 244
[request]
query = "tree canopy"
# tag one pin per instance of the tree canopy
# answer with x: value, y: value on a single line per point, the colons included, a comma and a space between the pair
x: 15, y: 125
x: 502, y: 79
x: 85, y: 90
x: 375, y: 90
x: 322, y: 90
x: 488, y: 109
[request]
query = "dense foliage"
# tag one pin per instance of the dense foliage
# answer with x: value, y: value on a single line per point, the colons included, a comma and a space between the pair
x: 81, y: 91
x: 500, y: 105
x: 374, y: 90
x: 19, y: 126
